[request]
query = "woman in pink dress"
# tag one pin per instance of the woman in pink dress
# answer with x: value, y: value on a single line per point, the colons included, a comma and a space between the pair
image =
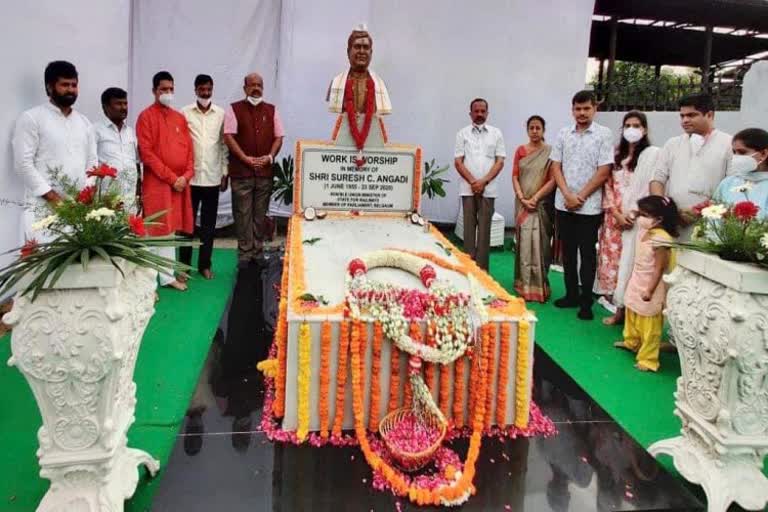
x: 635, y: 158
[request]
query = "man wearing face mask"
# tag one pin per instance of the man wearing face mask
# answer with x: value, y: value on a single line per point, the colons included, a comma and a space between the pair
x: 206, y: 123
x: 116, y: 145
x: 52, y: 136
x: 253, y: 132
x: 749, y: 166
x: 479, y: 158
x: 165, y: 147
x: 690, y: 166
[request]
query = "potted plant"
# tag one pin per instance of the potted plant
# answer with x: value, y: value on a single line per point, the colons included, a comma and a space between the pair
x: 84, y: 298
x: 717, y: 307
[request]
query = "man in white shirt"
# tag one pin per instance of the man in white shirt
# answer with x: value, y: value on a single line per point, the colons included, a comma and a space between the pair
x: 52, y: 137
x: 206, y: 123
x: 582, y: 158
x: 691, y: 166
x: 479, y: 158
x: 116, y: 145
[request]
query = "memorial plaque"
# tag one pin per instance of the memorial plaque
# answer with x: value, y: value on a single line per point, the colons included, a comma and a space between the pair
x: 389, y: 180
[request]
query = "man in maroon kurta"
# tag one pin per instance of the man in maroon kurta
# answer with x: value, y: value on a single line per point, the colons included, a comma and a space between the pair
x: 165, y: 146
x: 253, y: 132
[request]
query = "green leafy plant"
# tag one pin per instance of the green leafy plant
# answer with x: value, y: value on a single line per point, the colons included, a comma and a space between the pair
x: 311, y: 241
x: 431, y: 182
x: 87, y: 223
x: 308, y: 297
x: 282, y: 181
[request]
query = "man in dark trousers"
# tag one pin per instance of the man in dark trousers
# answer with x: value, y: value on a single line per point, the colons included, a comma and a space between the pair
x: 253, y: 132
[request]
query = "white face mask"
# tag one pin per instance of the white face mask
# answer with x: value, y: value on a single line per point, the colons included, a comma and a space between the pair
x: 166, y: 99
x: 204, y: 102
x: 253, y: 100
x: 743, y: 164
x: 633, y: 134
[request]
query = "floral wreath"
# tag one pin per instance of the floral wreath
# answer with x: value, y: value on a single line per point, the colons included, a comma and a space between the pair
x: 453, y: 319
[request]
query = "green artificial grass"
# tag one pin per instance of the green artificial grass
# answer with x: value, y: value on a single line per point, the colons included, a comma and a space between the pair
x: 641, y: 402
x: 172, y: 353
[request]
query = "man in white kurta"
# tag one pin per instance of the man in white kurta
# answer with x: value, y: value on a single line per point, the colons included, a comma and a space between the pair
x: 116, y: 145
x: 52, y: 137
x: 690, y: 166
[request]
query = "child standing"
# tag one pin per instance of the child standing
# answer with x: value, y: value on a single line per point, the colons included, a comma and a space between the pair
x: 657, y: 220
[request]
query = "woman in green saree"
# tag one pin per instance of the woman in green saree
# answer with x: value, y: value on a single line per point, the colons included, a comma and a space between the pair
x: 534, y: 210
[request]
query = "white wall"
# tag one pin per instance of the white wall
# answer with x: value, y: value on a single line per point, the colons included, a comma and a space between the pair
x: 92, y: 35
x: 435, y: 56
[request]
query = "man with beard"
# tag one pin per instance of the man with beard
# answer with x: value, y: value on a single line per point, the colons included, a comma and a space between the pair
x: 253, y: 132
x: 479, y: 158
x: 52, y: 138
x: 582, y: 158
x: 116, y: 145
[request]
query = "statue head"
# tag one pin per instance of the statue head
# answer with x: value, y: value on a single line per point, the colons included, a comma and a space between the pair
x: 359, y: 49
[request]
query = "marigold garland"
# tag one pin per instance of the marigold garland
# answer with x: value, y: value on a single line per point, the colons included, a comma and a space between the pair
x: 522, y: 400
x: 415, y: 334
x: 325, y: 377
x: 281, y: 336
x: 490, y: 355
x: 443, y: 495
x: 503, y: 378
x: 303, y: 380
x: 362, y: 328
x: 373, y: 413
x: 515, y: 306
x: 459, y: 374
x: 341, y: 377
x: 394, y: 378
x: 445, y: 389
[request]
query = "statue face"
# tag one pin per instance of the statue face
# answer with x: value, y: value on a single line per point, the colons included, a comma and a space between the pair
x: 360, y: 53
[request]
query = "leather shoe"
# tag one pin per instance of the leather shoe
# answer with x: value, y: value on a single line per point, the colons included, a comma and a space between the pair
x: 585, y: 314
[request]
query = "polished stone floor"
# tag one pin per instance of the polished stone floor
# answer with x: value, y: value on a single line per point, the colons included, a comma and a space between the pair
x: 222, y: 462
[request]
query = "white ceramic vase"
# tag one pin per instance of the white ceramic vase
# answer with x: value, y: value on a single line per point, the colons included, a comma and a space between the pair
x: 718, y: 314
x: 76, y: 345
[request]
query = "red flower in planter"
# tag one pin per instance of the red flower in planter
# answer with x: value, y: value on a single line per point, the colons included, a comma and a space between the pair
x: 745, y: 211
x: 29, y: 248
x: 137, y: 225
x: 86, y: 195
x: 103, y: 171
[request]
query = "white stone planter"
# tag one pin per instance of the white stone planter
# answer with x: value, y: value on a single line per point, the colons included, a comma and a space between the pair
x: 76, y: 345
x: 718, y: 313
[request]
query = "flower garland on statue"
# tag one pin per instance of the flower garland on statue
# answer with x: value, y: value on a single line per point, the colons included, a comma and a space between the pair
x: 359, y: 135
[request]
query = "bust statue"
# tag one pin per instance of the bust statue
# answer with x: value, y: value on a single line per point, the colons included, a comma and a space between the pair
x: 351, y: 87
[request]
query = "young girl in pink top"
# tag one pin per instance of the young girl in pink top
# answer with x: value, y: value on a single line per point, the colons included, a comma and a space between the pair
x: 657, y: 219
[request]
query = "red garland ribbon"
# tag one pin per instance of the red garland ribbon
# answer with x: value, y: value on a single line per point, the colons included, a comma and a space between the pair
x: 359, y: 136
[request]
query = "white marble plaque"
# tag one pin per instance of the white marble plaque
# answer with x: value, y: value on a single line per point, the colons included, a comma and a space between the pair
x: 330, y: 179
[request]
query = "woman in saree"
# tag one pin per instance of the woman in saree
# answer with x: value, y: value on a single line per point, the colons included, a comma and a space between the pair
x: 534, y: 210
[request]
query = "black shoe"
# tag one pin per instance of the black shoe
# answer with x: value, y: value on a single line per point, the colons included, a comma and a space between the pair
x: 585, y: 313
x: 566, y: 302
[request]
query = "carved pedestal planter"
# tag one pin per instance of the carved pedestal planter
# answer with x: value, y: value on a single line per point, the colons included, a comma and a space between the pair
x: 76, y: 345
x: 718, y: 313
